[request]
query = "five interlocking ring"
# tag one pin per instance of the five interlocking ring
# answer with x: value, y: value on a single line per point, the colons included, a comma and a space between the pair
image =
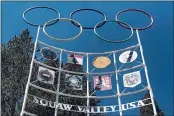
x: 74, y: 22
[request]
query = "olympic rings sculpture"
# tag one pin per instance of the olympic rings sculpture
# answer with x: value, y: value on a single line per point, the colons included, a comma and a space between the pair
x: 53, y: 21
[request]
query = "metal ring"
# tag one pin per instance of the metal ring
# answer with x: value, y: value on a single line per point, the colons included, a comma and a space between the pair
x: 111, y: 40
x: 47, y: 23
x: 90, y: 10
x: 36, y: 8
x: 143, y: 28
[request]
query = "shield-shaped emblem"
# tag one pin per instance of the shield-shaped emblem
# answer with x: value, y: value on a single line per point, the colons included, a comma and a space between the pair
x: 46, y: 75
x: 132, y: 79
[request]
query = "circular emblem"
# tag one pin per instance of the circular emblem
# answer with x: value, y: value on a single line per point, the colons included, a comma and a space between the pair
x: 74, y: 82
x: 101, y: 62
x: 48, y: 53
x: 128, y: 56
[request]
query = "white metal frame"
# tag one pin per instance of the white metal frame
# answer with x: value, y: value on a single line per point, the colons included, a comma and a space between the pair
x: 117, y: 84
x: 88, y: 96
x: 57, y: 94
x: 29, y: 78
x: 146, y: 73
x: 87, y: 72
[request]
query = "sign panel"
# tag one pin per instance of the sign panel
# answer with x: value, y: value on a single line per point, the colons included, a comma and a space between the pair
x: 46, y: 75
x: 132, y: 79
x: 92, y: 109
x: 73, y: 82
x: 75, y: 59
x: 102, y: 83
x: 101, y: 62
x: 49, y: 53
x: 128, y: 56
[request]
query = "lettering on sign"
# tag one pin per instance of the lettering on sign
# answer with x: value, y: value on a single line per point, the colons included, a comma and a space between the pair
x: 95, y: 109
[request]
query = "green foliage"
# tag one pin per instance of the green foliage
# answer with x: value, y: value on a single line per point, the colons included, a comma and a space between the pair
x: 16, y: 59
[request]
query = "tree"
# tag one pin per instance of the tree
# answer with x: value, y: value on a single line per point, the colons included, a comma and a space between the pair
x: 14, y: 76
x: 16, y: 59
x: 148, y: 110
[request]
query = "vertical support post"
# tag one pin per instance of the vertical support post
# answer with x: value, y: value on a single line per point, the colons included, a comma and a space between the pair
x: 29, y: 78
x: 146, y: 73
x: 58, y: 84
x: 87, y: 72
x: 117, y: 83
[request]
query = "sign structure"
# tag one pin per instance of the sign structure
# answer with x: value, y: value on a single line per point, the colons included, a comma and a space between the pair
x: 128, y: 56
x: 101, y: 62
x: 102, y: 83
x: 73, y: 82
x: 49, y: 53
x: 46, y: 75
x: 75, y: 59
x: 132, y: 79
x: 81, y: 81
x: 94, y: 109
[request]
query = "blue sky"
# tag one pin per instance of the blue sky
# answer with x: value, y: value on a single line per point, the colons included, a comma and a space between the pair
x: 157, y: 41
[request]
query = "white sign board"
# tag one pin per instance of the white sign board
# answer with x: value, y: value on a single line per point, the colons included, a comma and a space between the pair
x: 46, y: 75
x: 132, y: 79
x: 75, y: 59
x: 91, y: 109
x: 102, y: 83
x: 73, y: 82
x: 128, y: 56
